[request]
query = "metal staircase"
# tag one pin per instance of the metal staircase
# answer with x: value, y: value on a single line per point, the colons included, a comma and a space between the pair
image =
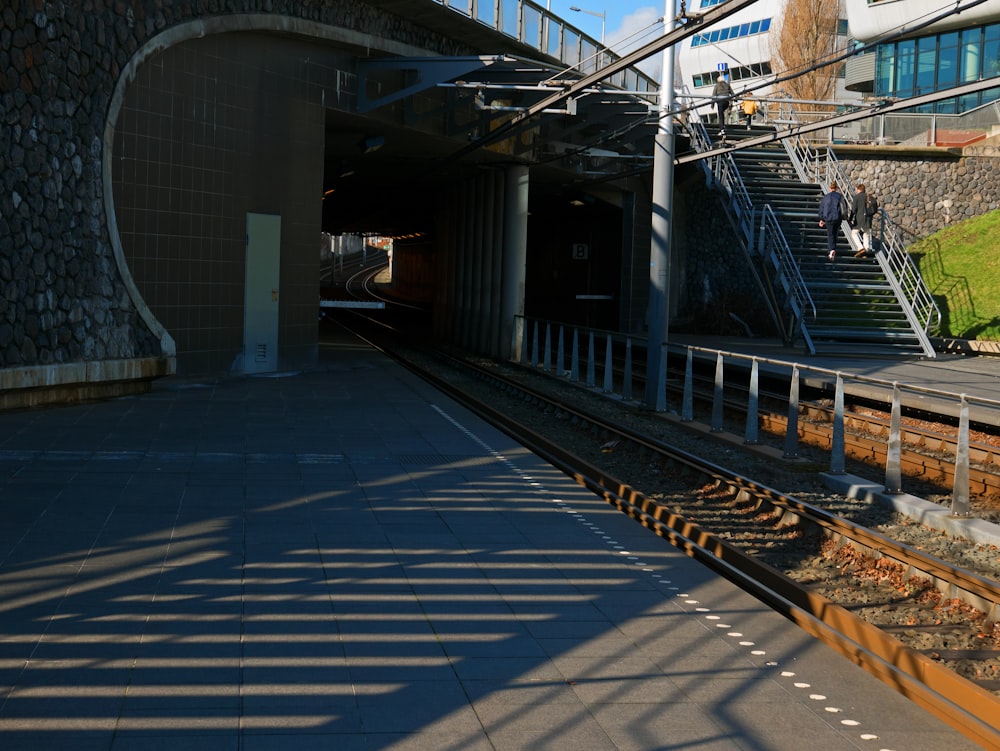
x: 876, y: 305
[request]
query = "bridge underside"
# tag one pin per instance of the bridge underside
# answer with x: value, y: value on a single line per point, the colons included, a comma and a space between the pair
x: 217, y: 128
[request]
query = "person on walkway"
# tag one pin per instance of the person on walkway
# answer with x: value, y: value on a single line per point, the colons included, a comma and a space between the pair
x: 722, y: 93
x: 861, y: 221
x: 831, y: 214
x: 749, y: 108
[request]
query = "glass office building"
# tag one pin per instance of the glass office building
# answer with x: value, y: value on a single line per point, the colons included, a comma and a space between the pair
x: 922, y: 65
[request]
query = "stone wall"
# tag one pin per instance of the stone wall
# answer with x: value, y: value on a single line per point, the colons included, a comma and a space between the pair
x: 924, y: 190
x: 62, y: 299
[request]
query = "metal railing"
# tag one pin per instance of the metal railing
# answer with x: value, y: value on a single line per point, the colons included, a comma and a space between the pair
x: 590, y: 357
x: 906, y: 128
x: 536, y: 26
x: 900, y: 270
x: 758, y: 229
x: 820, y: 165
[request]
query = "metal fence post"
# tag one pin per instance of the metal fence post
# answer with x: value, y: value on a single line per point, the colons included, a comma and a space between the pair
x: 661, y: 380
x: 893, y: 458
x: 591, y: 378
x: 687, y: 403
x: 608, y: 378
x: 574, y: 373
x: 837, y: 447
x: 517, y: 340
x: 547, y: 359
x: 534, y: 346
x: 627, y: 385
x: 717, y: 396
x: 751, y: 435
x: 561, y: 354
x: 792, y: 430
x: 960, y: 494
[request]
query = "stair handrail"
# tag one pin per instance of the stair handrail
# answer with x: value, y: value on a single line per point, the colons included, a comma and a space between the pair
x: 822, y: 166
x: 900, y: 270
x: 770, y: 243
x: 773, y: 246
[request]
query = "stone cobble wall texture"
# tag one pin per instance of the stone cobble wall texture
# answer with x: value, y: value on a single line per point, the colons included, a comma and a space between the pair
x: 62, y: 299
x: 925, y: 194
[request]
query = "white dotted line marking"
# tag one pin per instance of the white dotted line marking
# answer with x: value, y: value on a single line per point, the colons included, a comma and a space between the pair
x: 847, y: 722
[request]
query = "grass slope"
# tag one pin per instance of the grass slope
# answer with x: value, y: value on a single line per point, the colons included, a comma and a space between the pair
x: 961, y: 265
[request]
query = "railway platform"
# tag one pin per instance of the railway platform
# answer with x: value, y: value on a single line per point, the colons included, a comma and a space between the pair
x: 346, y: 559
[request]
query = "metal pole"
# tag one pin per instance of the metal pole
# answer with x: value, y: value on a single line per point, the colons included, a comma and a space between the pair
x: 751, y: 435
x: 608, y: 365
x: 591, y: 375
x: 534, y: 346
x: 574, y: 371
x: 717, y: 394
x: 546, y: 358
x: 687, y: 403
x: 659, y: 251
x: 837, y: 449
x: 627, y: 385
x: 893, y: 459
x: 561, y: 355
x: 960, y: 494
x: 792, y: 428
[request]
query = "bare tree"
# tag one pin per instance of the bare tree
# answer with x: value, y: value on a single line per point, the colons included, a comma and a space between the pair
x: 806, y: 36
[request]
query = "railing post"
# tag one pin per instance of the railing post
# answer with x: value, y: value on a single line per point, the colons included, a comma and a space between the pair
x: 792, y: 429
x: 960, y: 494
x: 574, y: 373
x: 608, y: 379
x: 547, y: 359
x: 893, y: 459
x: 687, y: 402
x: 660, y: 402
x: 717, y: 395
x: 627, y: 384
x: 837, y: 447
x: 517, y: 340
x: 751, y: 435
x: 534, y: 346
x: 561, y: 354
x: 591, y: 378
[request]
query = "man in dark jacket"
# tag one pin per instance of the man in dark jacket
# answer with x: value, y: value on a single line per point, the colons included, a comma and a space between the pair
x: 722, y: 93
x: 860, y: 220
x: 831, y: 214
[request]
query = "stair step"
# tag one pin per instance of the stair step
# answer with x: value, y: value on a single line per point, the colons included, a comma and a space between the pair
x: 856, y: 308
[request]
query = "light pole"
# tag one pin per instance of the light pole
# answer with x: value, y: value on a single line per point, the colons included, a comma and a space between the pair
x: 602, y: 15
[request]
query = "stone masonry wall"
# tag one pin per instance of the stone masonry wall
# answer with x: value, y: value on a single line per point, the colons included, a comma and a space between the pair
x: 62, y: 299
x: 926, y: 191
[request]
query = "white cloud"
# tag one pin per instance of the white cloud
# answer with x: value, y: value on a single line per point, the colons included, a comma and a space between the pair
x: 639, y: 27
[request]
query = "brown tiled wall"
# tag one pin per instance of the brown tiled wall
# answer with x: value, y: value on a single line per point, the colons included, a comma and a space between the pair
x: 210, y: 130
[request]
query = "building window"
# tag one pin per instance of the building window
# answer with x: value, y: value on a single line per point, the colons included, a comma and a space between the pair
x: 731, y: 32
x: 940, y: 61
x: 740, y: 73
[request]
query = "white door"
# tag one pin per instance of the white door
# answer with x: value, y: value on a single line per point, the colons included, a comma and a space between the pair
x: 260, y: 303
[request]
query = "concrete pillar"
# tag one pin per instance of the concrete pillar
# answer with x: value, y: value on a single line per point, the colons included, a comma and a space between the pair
x: 515, y: 252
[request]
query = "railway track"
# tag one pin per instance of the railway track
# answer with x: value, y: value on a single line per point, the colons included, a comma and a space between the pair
x: 929, y: 443
x: 955, y: 684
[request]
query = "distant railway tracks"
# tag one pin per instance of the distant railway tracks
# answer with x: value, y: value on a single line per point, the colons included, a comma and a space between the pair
x: 921, y: 623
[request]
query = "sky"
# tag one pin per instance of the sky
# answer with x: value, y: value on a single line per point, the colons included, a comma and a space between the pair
x: 628, y: 23
x: 622, y: 17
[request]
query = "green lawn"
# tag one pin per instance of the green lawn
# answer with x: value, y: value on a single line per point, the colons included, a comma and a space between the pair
x: 961, y: 265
